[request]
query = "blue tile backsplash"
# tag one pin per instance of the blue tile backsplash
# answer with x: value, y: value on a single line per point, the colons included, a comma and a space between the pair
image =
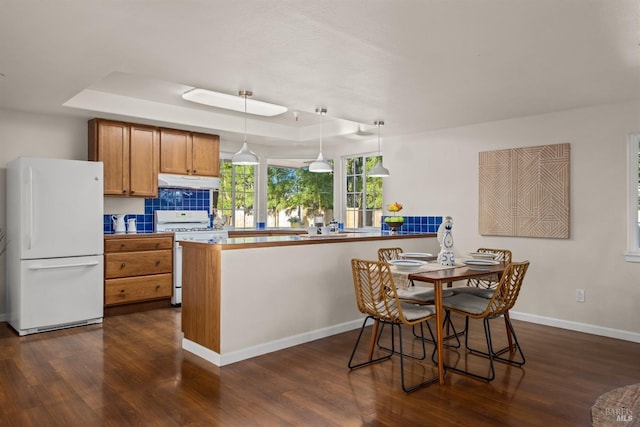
x: 169, y: 199
x: 417, y: 224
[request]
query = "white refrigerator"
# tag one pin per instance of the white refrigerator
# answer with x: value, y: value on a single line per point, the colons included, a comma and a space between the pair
x: 55, y: 266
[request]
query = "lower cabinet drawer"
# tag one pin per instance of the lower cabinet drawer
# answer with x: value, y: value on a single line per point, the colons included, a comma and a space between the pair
x: 142, y: 288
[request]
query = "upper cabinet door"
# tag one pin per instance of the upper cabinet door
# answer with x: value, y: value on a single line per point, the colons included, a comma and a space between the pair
x: 109, y: 143
x: 205, y: 154
x: 175, y: 147
x: 143, y: 164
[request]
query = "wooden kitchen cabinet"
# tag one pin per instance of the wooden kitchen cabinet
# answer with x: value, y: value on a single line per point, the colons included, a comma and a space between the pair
x: 130, y: 154
x: 189, y: 153
x: 138, y: 269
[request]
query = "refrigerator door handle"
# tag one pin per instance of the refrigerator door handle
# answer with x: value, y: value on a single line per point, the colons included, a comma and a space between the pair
x: 30, y: 236
x: 49, y: 267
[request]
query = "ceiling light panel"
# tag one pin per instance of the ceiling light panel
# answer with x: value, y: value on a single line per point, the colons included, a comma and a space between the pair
x: 232, y: 102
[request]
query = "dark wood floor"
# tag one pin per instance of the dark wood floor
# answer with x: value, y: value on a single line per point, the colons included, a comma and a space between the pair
x: 132, y: 371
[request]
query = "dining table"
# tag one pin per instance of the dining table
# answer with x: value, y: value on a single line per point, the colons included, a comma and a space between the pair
x: 437, y: 276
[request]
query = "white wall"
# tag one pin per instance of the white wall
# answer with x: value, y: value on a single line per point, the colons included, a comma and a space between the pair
x: 436, y: 173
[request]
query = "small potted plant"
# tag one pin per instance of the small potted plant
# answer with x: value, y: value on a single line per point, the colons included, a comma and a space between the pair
x: 294, y: 221
x: 394, y: 222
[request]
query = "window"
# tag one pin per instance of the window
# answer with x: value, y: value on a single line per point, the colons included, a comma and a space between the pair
x: 294, y: 193
x: 633, y: 252
x: 237, y: 194
x: 363, y: 193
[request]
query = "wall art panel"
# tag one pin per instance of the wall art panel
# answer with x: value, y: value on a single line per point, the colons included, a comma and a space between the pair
x: 524, y: 192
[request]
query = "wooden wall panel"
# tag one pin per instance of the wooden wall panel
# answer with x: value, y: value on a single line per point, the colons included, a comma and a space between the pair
x: 524, y: 192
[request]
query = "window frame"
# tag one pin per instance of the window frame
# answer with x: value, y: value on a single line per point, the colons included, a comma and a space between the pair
x: 365, y: 176
x: 234, y: 204
x: 633, y: 193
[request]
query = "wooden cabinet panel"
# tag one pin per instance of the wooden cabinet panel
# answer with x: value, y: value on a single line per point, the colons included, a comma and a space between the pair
x: 137, y: 244
x: 144, y: 149
x: 175, y: 156
x: 189, y: 153
x: 205, y: 154
x: 138, y: 269
x: 126, y: 264
x: 109, y: 143
x: 130, y: 156
x: 134, y: 289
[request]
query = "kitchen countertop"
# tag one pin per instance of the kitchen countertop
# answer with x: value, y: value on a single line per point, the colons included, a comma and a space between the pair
x: 305, y: 239
x: 112, y: 235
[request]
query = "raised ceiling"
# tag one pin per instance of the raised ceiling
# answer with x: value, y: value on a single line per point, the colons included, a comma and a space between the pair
x: 419, y: 65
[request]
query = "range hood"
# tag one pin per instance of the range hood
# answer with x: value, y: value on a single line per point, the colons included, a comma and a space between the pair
x: 188, y: 181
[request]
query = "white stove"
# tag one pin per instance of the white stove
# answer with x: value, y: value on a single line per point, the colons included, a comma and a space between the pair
x: 186, y: 225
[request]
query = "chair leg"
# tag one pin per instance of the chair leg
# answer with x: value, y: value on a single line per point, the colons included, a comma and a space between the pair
x: 506, y: 326
x: 355, y: 348
x: 449, y: 325
x: 393, y: 342
x: 489, y: 354
x: 406, y: 388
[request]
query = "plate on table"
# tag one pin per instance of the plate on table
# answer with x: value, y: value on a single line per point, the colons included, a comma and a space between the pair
x: 407, y: 264
x: 417, y: 256
x: 482, y: 255
x: 480, y: 264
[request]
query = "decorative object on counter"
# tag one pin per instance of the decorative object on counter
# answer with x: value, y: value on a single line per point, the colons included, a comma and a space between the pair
x: 394, y: 222
x: 445, y: 238
x: 131, y: 226
x: 219, y: 221
x: 294, y: 221
x: 118, y: 223
x: 245, y: 156
x: 333, y: 226
x: 378, y: 170
x: 320, y: 165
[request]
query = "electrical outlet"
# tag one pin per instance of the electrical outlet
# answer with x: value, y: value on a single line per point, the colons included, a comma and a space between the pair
x: 579, y: 295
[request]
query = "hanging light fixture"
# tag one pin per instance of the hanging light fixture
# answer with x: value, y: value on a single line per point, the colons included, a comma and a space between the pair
x: 379, y: 171
x: 245, y: 156
x: 320, y: 165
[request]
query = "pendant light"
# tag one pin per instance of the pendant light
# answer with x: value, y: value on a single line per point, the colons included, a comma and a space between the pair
x: 379, y: 171
x: 320, y: 165
x: 245, y: 156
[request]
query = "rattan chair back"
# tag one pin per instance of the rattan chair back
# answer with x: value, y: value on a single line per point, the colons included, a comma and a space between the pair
x: 388, y: 254
x: 488, y: 282
x: 507, y: 290
x: 376, y: 293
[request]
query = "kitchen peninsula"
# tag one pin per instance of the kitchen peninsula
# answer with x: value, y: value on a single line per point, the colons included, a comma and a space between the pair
x: 249, y: 296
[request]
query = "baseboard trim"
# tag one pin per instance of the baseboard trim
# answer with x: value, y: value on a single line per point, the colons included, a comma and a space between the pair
x: 4, y: 317
x: 269, y: 347
x: 577, y: 326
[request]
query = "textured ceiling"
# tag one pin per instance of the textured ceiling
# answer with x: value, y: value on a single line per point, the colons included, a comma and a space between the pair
x: 419, y: 65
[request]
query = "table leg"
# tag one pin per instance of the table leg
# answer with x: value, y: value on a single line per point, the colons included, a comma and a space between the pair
x: 374, y: 336
x: 437, y: 288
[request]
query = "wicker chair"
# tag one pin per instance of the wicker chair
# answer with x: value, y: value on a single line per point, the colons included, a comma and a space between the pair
x: 485, y: 287
x: 376, y: 297
x: 477, y: 307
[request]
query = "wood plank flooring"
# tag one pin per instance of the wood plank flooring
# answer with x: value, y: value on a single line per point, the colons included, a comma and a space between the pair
x: 131, y: 371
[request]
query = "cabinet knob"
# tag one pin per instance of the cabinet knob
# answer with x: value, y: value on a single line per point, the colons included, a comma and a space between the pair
x: 122, y: 245
x: 157, y: 287
x: 123, y: 265
x: 133, y: 191
x: 157, y: 244
x: 157, y: 262
x: 188, y: 170
x: 194, y: 171
x: 124, y: 191
x: 122, y: 291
